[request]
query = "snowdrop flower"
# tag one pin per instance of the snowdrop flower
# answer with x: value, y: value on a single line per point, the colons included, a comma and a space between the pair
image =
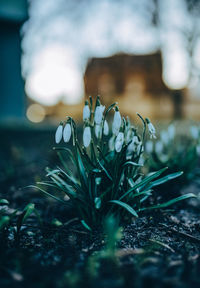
x: 164, y: 137
x: 67, y: 132
x: 59, y: 133
x: 98, y: 131
x: 86, y: 136
x: 116, y: 122
x: 158, y: 147
x: 133, y: 146
x: 149, y: 146
x: 86, y: 111
x: 98, y: 115
x: 151, y: 129
x: 194, y: 131
x: 119, y: 142
x: 171, y: 131
x: 105, y: 128
x: 129, y: 135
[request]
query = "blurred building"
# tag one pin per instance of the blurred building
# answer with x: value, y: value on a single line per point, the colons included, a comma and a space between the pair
x: 135, y: 81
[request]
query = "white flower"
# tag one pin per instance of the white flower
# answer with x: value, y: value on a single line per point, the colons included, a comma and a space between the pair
x: 116, y: 122
x: 86, y: 111
x: 194, y: 132
x: 59, y: 133
x: 149, y: 146
x: 152, y: 130
x: 129, y: 135
x: 98, y: 115
x: 158, y: 147
x: 119, y: 142
x: 105, y: 128
x: 133, y: 146
x: 67, y: 132
x: 86, y: 136
x: 171, y: 131
x: 111, y: 143
x: 98, y: 131
x: 164, y: 137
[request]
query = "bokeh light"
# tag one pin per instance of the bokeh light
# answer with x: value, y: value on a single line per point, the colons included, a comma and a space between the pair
x: 35, y: 113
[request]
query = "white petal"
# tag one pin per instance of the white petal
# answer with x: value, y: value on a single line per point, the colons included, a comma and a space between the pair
x: 86, y: 136
x: 86, y: 112
x: 119, y: 142
x: 98, y: 131
x: 105, y: 128
x: 98, y: 115
x: 67, y: 132
x: 58, y: 135
x: 116, y: 123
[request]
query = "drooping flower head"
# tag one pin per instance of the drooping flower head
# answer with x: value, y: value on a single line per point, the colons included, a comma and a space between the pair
x: 59, y: 133
x: 98, y: 131
x: 86, y: 136
x: 105, y: 128
x: 116, y: 121
x: 151, y: 129
x: 86, y: 111
x: 119, y: 142
x: 67, y: 132
x: 98, y: 114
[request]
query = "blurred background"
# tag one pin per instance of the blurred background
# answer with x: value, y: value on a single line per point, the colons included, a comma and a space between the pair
x: 53, y: 54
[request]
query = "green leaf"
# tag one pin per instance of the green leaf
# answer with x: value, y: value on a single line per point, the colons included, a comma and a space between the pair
x: 145, y: 181
x: 131, y: 163
x: 86, y: 225
x: 46, y: 193
x: 28, y: 210
x: 165, y: 179
x: 126, y: 206
x: 104, y: 169
x: 97, y: 202
x: 170, y: 202
x: 4, y: 202
x: 4, y: 220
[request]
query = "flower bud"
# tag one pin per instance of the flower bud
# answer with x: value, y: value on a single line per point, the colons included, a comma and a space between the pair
x: 86, y: 111
x: 67, y: 132
x: 116, y: 122
x: 98, y: 131
x: 98, y: 115
x: 86, y: 136
x: 105, y: 128
x: 133, y: 146
x: 59, y: 133
x: 151, y: 129
x: 119, y: 142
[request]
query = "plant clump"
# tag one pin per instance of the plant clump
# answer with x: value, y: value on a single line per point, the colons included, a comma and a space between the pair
x: 107, y: 178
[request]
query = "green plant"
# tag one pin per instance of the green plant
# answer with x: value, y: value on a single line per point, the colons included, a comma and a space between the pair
x: 107, y: 176
x: 14, y: 219
x: 177, y: 152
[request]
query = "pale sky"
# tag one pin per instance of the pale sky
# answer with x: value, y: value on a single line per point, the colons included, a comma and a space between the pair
x: 61, y: 36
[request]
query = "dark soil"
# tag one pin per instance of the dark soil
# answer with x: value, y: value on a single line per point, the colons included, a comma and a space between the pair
x: 157, y: 250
